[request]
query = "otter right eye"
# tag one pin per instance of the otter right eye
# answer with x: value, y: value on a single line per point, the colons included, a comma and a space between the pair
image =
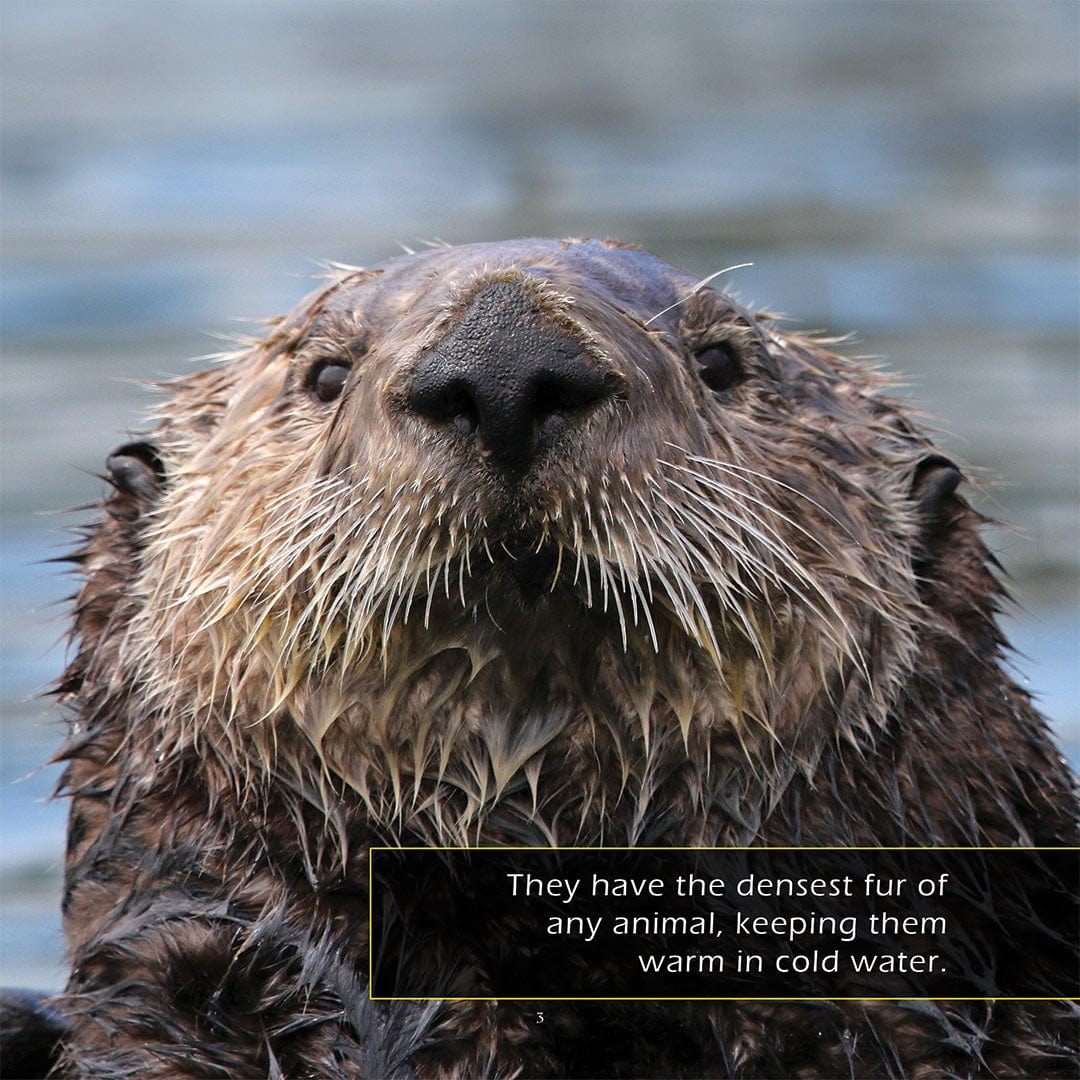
x: 327, y: 380
x: 719, y: 366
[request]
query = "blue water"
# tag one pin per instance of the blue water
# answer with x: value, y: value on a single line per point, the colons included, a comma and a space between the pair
x: 907, y: 171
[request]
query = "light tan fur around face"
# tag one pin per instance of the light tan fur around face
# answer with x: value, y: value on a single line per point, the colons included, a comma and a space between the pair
x: 331, y: 577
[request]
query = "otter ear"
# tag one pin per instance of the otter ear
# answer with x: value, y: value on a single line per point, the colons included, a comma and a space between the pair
x: 136, y: 469
x: 933, y: 488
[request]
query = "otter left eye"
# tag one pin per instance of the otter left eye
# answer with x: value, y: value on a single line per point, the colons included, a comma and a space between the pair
x: 328, y: 380
x: 719, y: 366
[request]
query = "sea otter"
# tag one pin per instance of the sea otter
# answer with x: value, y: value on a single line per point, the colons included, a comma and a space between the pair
x: 528, y: 543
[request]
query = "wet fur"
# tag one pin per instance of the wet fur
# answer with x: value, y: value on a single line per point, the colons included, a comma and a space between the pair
x: 756, y: 616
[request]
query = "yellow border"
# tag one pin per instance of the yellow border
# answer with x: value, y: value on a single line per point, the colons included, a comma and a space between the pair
x: 760, y: 847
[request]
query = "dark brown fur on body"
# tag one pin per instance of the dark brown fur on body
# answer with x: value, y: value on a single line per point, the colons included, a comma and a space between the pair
x: 710, y: 587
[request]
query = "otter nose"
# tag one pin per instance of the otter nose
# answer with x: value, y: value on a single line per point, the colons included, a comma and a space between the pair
x: 507, y: 376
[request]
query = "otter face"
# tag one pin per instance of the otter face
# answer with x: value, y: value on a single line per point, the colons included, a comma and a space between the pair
x: 472, y: 479
x: 521, y: 399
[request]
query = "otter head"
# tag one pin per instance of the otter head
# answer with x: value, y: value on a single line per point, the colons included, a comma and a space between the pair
x: 482, y: 515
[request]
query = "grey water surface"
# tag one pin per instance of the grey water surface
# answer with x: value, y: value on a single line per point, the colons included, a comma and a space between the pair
x: 906, y: 171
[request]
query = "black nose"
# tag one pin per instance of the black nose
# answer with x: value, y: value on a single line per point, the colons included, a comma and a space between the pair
x: 508, y: 376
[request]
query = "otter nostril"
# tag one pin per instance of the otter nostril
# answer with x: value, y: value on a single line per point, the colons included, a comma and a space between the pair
x: 438, y: 397
x: 466, y: 422
x: 441, y: 399
x: 568, y: 392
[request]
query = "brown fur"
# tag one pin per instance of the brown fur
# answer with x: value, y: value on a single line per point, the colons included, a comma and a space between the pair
x: 758, y: 614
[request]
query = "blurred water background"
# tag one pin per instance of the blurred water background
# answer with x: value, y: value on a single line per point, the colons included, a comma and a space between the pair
x: 904, y: 170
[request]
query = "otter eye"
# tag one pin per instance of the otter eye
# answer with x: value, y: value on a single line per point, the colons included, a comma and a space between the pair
x: 327, y: 380
x: 719, y: 366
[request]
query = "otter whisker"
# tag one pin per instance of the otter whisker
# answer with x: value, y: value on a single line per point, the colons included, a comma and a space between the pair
x: 787, y: 560
x: 725, y: 490
x: 775, y: 481
x: 462, y: 563
x: 700, y: 285
x: 558, y: 568
x: 428, y: 586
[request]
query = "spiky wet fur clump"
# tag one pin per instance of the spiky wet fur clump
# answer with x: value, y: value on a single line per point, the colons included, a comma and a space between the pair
x: 747, y: 609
